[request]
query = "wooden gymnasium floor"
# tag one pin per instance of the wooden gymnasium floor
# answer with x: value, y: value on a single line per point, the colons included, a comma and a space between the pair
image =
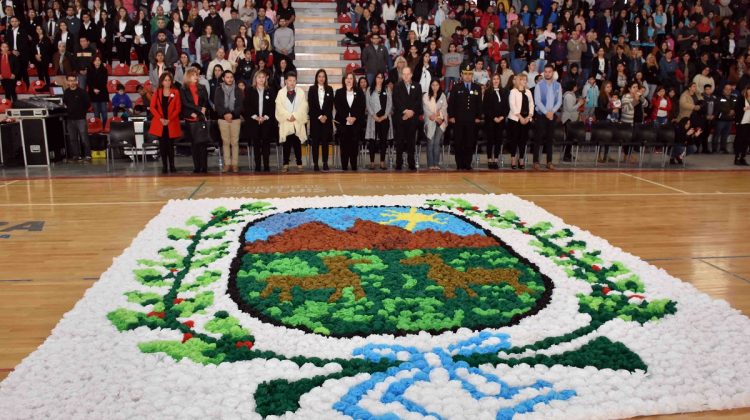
x: 693, y: 224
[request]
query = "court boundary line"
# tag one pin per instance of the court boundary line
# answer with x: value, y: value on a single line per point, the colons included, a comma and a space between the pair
x: 468, y: 181
x: 190, y: 197
x: 9, y: 183
x: 654, y: 183
x: 735, y: 275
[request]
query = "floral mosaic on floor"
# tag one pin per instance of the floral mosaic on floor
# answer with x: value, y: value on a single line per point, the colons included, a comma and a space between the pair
x: 472, y: 306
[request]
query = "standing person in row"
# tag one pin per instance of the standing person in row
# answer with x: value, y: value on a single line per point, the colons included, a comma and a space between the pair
x: 350, y: 117
x: 742, y: 118
x: 228, y: 106
x: 10, y: 69
x: 495, y: 105
x: 291, y: 113
x: 379, y: 125
x: 548, y: 99
x: 76, y: 101
x: 97, y: 86
x: 194, y: 98
x: 407, y: 106
x: 166, y: 106
x: 521, y: 103
x: 259, y: 111
x: 320, y: 101
x: 465, y: 109
x: 435, y: 122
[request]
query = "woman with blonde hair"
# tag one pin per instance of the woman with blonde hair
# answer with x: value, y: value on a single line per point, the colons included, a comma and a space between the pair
x: 521, y: 103
x: 259, y: 112
x: 194, y: 97
x: 259, y: 36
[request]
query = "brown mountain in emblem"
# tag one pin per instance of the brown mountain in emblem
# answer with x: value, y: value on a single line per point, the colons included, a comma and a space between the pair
x: 364, y: 234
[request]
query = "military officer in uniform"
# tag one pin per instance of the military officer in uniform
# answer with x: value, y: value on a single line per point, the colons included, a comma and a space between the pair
x: 465, y: 108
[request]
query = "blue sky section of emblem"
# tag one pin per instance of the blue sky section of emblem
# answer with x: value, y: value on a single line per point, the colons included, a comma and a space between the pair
x: 409, y: 218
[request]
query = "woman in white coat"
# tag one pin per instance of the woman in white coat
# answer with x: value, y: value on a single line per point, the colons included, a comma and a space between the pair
x: 521, y: 112
x: 435, y: 106
x: 291, y: 114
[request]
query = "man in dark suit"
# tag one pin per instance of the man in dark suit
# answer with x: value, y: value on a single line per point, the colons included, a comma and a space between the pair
x: 89, y: 29
x: 464, y: 110
x: 407, y: 107
x: 19, y: 42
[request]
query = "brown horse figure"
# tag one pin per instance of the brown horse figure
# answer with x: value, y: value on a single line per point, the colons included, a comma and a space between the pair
x: 339, y: 276
x: 451, y: 279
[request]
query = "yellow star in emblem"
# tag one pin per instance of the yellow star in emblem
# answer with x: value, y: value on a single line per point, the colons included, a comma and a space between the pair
x: 412, y: 218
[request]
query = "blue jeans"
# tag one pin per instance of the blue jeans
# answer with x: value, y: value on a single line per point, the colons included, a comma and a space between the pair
x: 433, y: 148
x: 678, y: 149
x: 100, y: 111
x: 721, y: 134
x: 660, y: 121
x: 517, y: 65
x: 78, y: 134
x: 370, y: 79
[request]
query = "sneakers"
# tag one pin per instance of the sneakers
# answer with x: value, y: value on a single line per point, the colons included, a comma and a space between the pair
x: 285, y: 168
x: 741, y: 162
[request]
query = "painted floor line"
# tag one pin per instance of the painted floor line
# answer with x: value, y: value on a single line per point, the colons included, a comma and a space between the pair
x: 726, y: 271
x: 196, y: 190
x: 484, y: 190
x: 655, y: 183
x: 8, y: 183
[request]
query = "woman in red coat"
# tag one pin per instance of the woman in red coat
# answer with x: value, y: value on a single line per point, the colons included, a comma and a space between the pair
x: 660, y: 106
x: 165, y: 109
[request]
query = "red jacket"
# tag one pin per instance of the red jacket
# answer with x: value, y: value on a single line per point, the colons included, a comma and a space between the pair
x: 655, y: 106
x: 172, y: 114
x: 486, y: 19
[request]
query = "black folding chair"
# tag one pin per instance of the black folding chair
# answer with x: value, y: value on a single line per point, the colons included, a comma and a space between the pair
x: 622, y: 134
x: 121, y: 137
x: 665, y: 136
x: 575, y: 137
x: 602, y: 135
x: 647, y: 135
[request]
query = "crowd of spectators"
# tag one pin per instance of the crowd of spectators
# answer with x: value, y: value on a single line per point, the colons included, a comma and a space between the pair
x: 528, y: 62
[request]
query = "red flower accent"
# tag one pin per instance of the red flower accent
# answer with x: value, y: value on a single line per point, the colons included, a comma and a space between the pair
x: 247, y: 344
x: 156, y: 314
x: 522, y: 223
x: 572, y: 251
x: 596, y: 268
x: 186, y: 337
x: 191, y: 236
x: 637, y: 296
x: 475, y: 208
x: 174, y: 270
x: 177, y: 301
x: 489, y: 216
x: 563, y: 256
x: 605, y: 290
x: 189, y: 323
x: 460, y: 209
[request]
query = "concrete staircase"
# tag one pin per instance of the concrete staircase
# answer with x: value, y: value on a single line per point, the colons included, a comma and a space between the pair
x: 317, y: 43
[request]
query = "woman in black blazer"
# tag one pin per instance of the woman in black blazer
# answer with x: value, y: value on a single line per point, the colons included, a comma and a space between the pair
x: 41, y: 53
x: 742, y: 119
x: 194, y: 97
x: 496, y: 109
x: 262, y: 123
x: 123, y: 34
x: 62, y: 32
x: 96, y: 83
x: 350, y: 117
x: 320, y: 101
